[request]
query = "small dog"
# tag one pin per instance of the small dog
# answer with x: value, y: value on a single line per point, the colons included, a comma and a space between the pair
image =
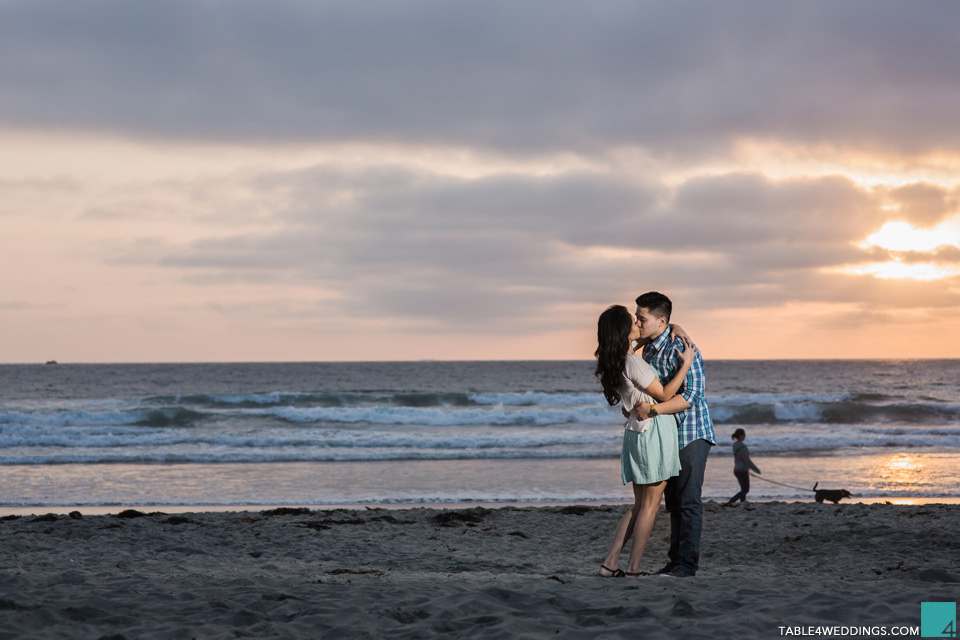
x: 833, y: 495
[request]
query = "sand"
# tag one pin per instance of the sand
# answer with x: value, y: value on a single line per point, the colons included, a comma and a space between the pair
x: 481, y: 573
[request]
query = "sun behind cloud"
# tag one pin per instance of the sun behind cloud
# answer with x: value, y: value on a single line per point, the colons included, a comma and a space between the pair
x: 899, y: 237
x: 902, y: 236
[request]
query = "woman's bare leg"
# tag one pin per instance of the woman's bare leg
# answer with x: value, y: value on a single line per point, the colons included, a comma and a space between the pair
x: 623, y: 532
x: 647, y: 497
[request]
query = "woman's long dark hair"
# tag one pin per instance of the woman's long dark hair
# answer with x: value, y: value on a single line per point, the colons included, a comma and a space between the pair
x: 613, y: 342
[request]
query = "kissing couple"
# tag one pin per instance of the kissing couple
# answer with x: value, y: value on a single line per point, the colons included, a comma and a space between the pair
x: 668, y: 434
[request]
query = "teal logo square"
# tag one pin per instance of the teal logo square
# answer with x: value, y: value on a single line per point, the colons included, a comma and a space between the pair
x: 938, y: 619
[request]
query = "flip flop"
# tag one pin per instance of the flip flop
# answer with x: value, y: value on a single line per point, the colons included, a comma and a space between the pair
x: 614, y: 573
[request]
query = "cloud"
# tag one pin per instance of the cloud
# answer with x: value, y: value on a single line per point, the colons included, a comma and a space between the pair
x: 682, y: 78
x: 925, y: 205
x: 502, y: 253
x: 22, y: 305
x: 19, y: 198
x: 749, y: 209
x: 946, y: 255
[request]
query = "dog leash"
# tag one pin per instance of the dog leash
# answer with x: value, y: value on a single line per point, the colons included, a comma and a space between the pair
x: 779, y: 483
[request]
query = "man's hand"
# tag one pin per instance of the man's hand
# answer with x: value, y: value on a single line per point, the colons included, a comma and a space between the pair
x: 643, y: 410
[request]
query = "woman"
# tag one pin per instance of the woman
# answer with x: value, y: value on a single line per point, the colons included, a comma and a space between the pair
x: 650, y: 451
x: 741, y: 465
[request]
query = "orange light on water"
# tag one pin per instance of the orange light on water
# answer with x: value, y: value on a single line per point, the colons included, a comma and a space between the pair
x: 901, y: 469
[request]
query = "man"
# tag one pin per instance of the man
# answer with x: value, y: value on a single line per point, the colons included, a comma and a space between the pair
x: 682, y: 495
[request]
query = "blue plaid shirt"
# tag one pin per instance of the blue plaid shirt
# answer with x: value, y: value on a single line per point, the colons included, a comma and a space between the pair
x: 694, y: 423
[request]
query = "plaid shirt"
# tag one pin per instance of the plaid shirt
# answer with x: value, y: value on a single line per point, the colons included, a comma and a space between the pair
x: 695, y: 422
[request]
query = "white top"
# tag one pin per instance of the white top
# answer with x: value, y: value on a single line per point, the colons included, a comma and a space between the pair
x: 637, y: 376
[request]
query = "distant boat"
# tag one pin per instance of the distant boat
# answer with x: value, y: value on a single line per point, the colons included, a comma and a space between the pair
x: 52, y: 362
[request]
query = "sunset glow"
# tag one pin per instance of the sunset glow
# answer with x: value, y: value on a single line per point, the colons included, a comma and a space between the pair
x: 346, y: 192
x: 902, y: 236
x: 900, y: 270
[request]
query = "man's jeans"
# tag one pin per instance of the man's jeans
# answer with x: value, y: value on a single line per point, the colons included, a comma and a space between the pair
x: 682, y: 497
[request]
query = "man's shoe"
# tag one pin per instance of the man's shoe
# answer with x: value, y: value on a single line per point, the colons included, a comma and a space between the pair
x: 667, y: 569
x: 677, y: 572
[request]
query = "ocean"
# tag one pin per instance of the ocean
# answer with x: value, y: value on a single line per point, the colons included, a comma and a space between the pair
x: 413, y: 433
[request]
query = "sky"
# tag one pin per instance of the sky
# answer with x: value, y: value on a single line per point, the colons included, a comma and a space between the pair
x: 314, y: 180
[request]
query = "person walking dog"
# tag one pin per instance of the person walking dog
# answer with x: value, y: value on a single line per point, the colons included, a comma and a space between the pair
x: 742, y: 464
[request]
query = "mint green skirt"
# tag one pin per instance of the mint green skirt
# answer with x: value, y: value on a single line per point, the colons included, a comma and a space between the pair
x: 651, y: 456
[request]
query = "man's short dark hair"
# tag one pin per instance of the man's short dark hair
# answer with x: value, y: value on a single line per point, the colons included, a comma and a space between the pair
x: 656, y: 303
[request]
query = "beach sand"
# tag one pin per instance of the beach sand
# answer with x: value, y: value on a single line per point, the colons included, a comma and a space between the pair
x: 511, y: 572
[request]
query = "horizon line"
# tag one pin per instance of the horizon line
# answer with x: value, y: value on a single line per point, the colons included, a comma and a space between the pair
x: 438, y: 360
